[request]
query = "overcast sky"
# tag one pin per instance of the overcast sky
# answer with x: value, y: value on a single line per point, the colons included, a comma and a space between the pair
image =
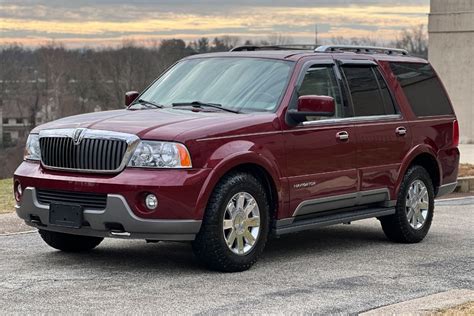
x: 109, y: 22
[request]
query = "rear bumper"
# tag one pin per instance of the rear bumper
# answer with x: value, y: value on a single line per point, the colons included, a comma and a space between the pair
x: 103, y: 223
x: 446, y: 189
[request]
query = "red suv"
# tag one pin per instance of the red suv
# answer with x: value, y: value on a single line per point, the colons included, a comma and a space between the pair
x: 227, y: 149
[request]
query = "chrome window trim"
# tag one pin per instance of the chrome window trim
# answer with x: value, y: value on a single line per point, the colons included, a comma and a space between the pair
x: 354, y: 119
x: 131, y: 140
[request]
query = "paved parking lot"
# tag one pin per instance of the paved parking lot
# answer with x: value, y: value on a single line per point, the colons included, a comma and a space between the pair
x: 337, y: 269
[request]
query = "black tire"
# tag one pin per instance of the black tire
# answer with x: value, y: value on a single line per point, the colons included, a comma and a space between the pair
x: 397, y: 227
x: 210, y: 246
x: 69, y: 243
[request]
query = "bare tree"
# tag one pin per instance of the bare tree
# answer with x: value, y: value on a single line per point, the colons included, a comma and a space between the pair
x: 53, y: 66
x: 231, y: 41
x: 278, y: 39
x: 415, y: 40
x: 359, y: 41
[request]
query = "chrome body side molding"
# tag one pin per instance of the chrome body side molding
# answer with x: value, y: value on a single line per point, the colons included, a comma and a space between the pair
x: 342, y: 201
x: 283, y: 227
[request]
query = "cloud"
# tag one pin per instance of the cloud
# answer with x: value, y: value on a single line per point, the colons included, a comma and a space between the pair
x: 29, y: 21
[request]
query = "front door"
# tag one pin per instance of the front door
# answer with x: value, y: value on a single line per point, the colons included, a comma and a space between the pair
x: 322, y: 170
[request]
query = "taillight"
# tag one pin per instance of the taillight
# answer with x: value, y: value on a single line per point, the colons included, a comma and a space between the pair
x: 455, y: 133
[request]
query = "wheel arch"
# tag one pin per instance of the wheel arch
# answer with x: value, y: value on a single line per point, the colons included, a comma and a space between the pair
x: 266, y: 179
x: 263, y: 168
x: 426, y: 158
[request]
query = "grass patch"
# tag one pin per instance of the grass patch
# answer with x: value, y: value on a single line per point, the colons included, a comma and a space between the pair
x: 7, y: 201
x: 466, y: 170
x: 465, y: 309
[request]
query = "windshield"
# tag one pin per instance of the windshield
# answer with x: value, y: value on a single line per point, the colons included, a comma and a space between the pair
x: 240, y: 84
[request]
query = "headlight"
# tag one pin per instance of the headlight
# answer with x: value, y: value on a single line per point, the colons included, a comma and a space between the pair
x: 150, y: 154
x: 32, y: 149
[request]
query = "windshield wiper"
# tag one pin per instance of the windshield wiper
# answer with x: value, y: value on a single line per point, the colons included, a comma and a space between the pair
x: 200, y: 105
x: 145, y: 102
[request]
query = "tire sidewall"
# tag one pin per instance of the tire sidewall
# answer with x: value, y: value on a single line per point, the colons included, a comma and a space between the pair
x: 414, y: 174
x: 209, y: 245
x: 252, y: 188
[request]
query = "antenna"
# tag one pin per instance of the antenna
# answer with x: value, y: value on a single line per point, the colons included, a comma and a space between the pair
x: 316, y: 35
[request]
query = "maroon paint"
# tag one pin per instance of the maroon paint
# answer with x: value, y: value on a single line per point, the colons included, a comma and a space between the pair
x: 130, y: 97
x: 373, y: 157
x: 316, y: 103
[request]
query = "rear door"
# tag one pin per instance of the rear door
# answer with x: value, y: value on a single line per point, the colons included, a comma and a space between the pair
x: 320, y: 152
x: 382, y: 134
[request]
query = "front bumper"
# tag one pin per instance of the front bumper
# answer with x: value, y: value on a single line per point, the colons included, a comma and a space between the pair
x: 103, y: 223
x: 179, y: 191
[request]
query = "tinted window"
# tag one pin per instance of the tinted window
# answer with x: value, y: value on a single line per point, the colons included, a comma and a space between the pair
x: 386, y: 96
x: 423, y: 89
x: 365, y: 91
x: 321, y: 80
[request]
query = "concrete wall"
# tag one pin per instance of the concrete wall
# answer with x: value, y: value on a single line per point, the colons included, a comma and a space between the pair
x: 1, y: 125
x: 451, y: 51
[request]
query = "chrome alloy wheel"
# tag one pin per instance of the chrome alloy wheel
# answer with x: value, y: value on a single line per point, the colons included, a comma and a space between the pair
x: 241, y: 223
x: 417, y: 204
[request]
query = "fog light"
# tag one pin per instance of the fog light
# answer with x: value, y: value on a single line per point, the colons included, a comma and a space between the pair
x: 151, y: 201
x: 18, y: 191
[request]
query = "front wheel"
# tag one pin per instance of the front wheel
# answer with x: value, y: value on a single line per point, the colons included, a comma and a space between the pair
x: 235, y: 226
x: 414, y: 210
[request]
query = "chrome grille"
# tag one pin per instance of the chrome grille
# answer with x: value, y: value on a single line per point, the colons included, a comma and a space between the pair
x: 85, y: 150
x: 90, y: 154
x: 93, y: 201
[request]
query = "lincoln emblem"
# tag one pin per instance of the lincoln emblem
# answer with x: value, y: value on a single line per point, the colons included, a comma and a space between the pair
x: 78, y: 135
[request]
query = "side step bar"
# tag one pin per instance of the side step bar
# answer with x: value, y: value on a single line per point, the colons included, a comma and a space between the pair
x: 331, y: 219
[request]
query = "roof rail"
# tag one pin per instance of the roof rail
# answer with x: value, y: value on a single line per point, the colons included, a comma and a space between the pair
x: 361, y: 49
x: 250, y: 48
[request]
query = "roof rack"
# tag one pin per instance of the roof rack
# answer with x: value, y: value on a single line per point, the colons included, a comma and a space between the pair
x: 361, y: 49
x: 251, y: 48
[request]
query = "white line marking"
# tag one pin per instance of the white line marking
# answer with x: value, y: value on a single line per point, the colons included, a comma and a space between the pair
x: 19, y: 233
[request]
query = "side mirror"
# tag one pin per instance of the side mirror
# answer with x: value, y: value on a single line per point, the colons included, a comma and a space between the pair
x: 130, y: 96
x: 313, y: 105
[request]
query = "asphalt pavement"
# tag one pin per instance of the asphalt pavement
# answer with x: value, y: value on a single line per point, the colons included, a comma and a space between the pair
x: 341, y: 269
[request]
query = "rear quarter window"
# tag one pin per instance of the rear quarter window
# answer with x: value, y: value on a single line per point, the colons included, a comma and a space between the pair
x: 423, y: 89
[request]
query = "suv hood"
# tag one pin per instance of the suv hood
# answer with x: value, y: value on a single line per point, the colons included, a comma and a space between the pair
x: 152, y: 124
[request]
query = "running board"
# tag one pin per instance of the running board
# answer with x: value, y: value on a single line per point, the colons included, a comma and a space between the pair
x: 339, y: 218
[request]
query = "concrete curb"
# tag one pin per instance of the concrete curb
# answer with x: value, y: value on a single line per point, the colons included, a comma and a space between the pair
x: 425, y: 305
x: 465, y: 185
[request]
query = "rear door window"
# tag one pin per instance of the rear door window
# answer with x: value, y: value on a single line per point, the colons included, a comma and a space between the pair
x: 422, y: 88
x: 370, y: 95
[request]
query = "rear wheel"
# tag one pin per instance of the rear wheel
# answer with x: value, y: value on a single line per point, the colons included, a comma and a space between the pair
x: 414, y: 210
x: 235, y: 226
x: 68, y: 242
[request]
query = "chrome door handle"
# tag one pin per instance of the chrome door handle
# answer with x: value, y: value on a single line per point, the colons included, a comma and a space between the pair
x: 342, y: 135
x: 402, y: 131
